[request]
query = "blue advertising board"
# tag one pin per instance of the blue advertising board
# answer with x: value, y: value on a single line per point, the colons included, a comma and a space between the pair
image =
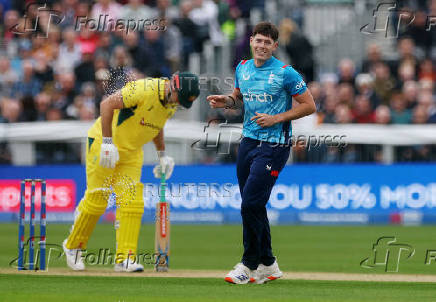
x: 303, y: 194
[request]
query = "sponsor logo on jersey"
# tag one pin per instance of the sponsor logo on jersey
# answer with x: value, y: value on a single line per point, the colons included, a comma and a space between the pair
x: 144, y: 123
x: 300, y: 85
x: 260, y: 97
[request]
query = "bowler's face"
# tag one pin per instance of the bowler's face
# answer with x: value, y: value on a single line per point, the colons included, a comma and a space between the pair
x: 262, y: 47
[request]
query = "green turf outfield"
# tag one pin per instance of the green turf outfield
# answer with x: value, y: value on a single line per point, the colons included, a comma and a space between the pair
x: 109, y: 289
x: 208, y: 247
x: 298, y: 248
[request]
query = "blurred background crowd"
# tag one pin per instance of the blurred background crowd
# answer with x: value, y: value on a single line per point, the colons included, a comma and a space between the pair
x: 53, y: 67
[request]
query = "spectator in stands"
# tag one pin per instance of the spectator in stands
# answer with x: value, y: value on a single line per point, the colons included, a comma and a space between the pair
x: 346, y: 94
x: 343, y: 114
x: 65, y: 93
x: 410, y: 92
x: 10, y: 110
x: 136, y: 10
x: 42, y: 105
x: 346, y: 71
x: 107, y: 7
x: 373, y: 56
x: 11, y: 18
x: 28, y: 85
x: 365, y: 86
x: 384, y: 83
x: 131, y: 42
x: 85, y: 98
x: 399, y: 114
x: 328, y: 109
x: 383, y: 115
x: 87, y: 112
x: 426, y: 71
x: 362, y: 112
x: 164, y: 10
x: 188, y: 30
x: 172, y: 39
x: 418, y: 32
x: 120, y: 58
x: 155, y: 64
x: 204, y: 14
x: 7, y: 76
x: 426, y: 101
x: 407, y: 53
x: 85, y: 72
x: 43, y: 71
x: 88, y: 39
x: 406, y: 72
x: 68, y: 9
x: 106, y: 45
x: 69, y: 52
x: 298, y: 48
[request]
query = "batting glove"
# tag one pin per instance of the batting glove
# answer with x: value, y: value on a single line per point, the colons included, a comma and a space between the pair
x: 109, y: 153
x: 166, y: 164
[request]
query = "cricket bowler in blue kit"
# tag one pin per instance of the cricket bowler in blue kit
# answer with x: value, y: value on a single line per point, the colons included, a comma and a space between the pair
x: 264, y: 86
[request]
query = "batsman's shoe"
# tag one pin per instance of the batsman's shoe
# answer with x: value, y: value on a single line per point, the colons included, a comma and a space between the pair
x: 239, y: 275
x: 265, y: 273
x: 74, y: 257
x: 128, y: 266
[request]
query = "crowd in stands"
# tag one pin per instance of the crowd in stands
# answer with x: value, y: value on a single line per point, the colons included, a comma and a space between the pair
x: 61, y: 68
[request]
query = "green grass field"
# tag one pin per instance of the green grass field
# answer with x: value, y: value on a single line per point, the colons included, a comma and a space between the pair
x: 208, y: 247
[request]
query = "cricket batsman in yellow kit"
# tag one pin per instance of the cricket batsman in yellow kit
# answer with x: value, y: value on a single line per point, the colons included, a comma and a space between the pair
x: 130, y: 118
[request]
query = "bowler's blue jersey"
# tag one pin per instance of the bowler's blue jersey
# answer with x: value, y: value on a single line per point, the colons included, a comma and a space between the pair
x: 267, y: 89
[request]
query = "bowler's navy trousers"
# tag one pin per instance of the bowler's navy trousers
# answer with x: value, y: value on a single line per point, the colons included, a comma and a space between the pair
x: 258, y: 166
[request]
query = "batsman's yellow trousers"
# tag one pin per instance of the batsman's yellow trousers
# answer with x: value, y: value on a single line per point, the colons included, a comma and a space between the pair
x: 125, y: 178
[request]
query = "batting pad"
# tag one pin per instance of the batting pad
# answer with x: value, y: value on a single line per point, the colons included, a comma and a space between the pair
x: 128, y: 224
x: 89, y: 211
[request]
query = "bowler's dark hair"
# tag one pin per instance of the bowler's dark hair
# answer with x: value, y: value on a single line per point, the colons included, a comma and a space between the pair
x: 266, y: 29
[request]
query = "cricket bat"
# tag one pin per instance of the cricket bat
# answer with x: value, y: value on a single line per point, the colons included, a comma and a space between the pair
x: 162, y: 236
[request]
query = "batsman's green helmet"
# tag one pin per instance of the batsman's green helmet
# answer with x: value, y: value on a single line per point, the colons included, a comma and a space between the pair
x: 187, y: 86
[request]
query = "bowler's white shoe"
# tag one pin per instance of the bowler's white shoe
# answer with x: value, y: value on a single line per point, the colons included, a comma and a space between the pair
x: 239, y: 275
x: 74, y: 257
x: 128, y: 266
x: 265, y: 273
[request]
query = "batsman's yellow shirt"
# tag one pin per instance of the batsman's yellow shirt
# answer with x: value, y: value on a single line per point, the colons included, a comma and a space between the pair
x: 142, y: 117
